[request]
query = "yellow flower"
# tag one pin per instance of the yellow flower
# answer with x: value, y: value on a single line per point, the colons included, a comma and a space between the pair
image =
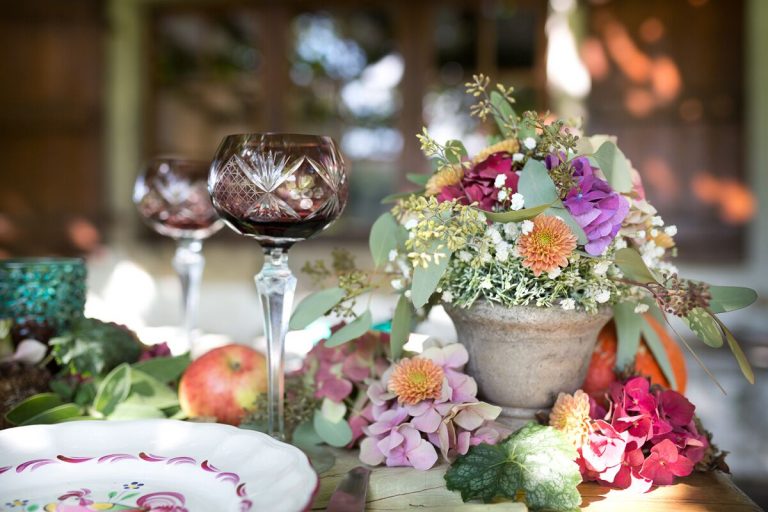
x: 570, y: 415
x: 415, y: 380
x: 506, y: 146
x: 447, y: 176
x: 547, y: 246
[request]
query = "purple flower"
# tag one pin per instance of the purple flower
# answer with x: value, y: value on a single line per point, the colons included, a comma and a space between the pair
x: 595, y: 206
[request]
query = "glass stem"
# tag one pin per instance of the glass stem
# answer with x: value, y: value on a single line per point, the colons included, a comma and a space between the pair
x: 276, y: 285
x: 188, y: 263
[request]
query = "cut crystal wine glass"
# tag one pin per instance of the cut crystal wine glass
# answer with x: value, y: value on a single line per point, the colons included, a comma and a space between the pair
x: 172, y: 197
x: 278, y: 189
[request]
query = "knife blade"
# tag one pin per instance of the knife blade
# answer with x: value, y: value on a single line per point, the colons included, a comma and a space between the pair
x: 350, y: 494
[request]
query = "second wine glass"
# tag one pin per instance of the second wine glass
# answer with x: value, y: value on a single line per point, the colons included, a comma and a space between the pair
x: 172, y: 197
x: 278, y: 189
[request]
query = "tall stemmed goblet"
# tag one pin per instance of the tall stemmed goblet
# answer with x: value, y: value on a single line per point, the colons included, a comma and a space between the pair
x: 278, y: 189
x: 172, y: 197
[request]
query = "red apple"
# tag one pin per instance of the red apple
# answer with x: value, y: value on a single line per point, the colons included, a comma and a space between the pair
x: 223, y: 383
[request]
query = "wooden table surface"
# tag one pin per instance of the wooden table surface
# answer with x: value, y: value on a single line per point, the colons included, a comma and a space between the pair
x: 409, y: 489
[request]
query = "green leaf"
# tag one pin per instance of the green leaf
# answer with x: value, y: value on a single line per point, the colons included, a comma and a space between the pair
x: 454, y: 152
x: 128, y: 411
x: 306, y: 439
x: 93, y: 347
x: 384, y: 238
x: 420, y: 179
x: 705, y: 326
x: 628, y: 326
x: 505, y: 117
x: 351, y: 331
x: 425, y: 280
x: 56, y: 414
x: 632, y: 265
x: 148, y: 391
x: 393, y: 198
x: 31, y: 407
x: 536, y: 184
x: 164, y: 369
x: 560, y: 211
x: 402, y: 321
x: 535, y: 460
x: 516, y: 215
x: 730, y: 298
x: 113, y: 390
x: 738, y: 353
x: 659, y: 352
x: 337, y: 434
x: 314, y: 306
x: 615, y: 166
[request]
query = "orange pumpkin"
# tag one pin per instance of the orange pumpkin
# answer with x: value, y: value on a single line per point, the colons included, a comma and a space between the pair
x: 602, y: 370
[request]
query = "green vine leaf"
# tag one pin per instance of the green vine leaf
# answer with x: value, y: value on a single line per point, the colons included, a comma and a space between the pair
x: 337, y: 434
x: 31, y: 407
x: 503, y: 114
x: 402, y: 321
x: 454, y: 152
x: 314, y: 306
x: 738, y: 353
x: 535, y: 460
x: 419, y: 179
x: 536, y: 184
x: 351, y: 331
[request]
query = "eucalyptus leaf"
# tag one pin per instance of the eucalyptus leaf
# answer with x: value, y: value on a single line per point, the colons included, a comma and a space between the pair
x: 113, y: 389
x: 306, y: 439
x: 503, y: 114
x: 31, y: 407
x: 425, y: 280
x: 337, y: 434
x: 730, y: 298
x: 628, y: 327
x: 516, y: 215
x: 632, y: 265
x: 402, y: 321
x: 384, y: 238
x: 536, y: 184
x: 562, y: 213
x: 418, y: 178
x: 615, y: 166
x: 165, y: 369
x: 706, y: 327
x: 314, y: 306
x: 351, y: 331
x: 135, y: 411
x: 454, y: 152
x: 56, y: 414
x: 656, y: 346
x: 738, y: 353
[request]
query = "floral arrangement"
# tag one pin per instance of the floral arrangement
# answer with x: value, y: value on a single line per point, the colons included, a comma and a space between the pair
x: 404, y: 413
x: 648, y: 437
x: 543, y: 216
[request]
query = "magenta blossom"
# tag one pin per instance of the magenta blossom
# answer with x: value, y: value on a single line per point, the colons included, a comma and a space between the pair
x: 595, y: 206
x: 477, y: 185
x: 665, y: 463
x: 153, y: 351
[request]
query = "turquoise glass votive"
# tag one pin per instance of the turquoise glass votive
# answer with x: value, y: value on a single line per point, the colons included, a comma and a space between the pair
x: 42, y: 293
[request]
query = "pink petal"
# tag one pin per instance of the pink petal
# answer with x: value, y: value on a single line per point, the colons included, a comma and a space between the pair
x: 370, y: 453
x: 455, y: 356
x: 423, y: 456
x: 355, y: 368
x: 462, y: 442
x: 427, y: 422
x: 420, y: 408
x: 390, y: 442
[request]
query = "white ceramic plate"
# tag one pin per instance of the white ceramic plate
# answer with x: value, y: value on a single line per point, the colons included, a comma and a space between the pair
x: 151, y: 465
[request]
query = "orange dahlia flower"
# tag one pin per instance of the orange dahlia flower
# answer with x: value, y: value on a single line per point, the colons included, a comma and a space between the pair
x: 415, y: 380
x: 547, y: 246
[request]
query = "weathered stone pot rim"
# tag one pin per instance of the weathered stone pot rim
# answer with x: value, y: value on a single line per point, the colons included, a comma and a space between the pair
x: 489, y: 311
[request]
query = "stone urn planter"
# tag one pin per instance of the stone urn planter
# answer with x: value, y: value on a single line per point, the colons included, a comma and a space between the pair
x: 523, y: 356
